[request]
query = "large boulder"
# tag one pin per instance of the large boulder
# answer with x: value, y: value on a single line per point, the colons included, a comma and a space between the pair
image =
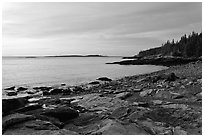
x: 13, y: 119
x: 99, y: 104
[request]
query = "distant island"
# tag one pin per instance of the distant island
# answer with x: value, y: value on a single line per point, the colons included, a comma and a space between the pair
x: 59, y: 56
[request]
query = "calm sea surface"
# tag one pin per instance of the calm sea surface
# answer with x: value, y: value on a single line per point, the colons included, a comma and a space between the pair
x: 69, y: 70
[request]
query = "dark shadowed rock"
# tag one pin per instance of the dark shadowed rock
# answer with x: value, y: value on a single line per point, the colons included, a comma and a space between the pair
x: 11, y: 104
x: 63, y: 114
x: 10, y: 88
x: 171, y: 77
x: 94, y: 82
x: 78, y: 89
x: 21, y: 89
x: 43, y: 88
x: 104, y: 79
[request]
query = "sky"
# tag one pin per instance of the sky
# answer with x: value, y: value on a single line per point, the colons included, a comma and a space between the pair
x: 112, y: 28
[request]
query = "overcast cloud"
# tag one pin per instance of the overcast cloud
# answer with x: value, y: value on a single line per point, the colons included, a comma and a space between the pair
x: 95, y: 28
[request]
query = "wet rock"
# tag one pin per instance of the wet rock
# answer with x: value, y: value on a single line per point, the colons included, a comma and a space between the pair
x: 111, y: 127
x: 10, y: 88
x: 13, y: 119
x: 104, y: 79
x: 10, y: 104
x: 94, y: 82
x: 123, y: 95
x: 11, y: 93
x: 146, y: 92
x: 21, y: 89
x: 62, y: 113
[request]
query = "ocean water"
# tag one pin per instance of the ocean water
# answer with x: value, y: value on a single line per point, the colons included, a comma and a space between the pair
x: 68, y: 70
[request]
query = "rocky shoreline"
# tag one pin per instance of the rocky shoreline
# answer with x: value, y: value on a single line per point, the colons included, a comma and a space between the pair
x: 167, y: 102
x: 156, y: 60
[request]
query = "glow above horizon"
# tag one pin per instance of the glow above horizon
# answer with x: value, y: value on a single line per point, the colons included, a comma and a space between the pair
x: 94, y: 28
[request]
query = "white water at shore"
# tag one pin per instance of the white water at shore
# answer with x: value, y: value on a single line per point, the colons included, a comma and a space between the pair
x: 69, y: 70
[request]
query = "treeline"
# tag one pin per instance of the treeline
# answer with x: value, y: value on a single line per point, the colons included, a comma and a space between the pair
x: 187, y: 46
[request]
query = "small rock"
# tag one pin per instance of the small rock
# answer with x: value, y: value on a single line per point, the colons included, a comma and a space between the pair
x: 146, y: 92
x: 118, y: 91
x: 94, y: 82
x: 78, y: 89
x: 21, y: 89
x: 104, y: 79
x: 43, y: 88
x: 10, y: 88
x: 157, y: 102
x: 171, y: 77
x: 183, y: 87
x: 123, y: 95
x: 63, y: 84
x: 11, y: 93
x: 137, y: 90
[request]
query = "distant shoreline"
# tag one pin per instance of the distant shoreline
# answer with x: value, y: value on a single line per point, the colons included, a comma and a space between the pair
x: 58, y: 56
